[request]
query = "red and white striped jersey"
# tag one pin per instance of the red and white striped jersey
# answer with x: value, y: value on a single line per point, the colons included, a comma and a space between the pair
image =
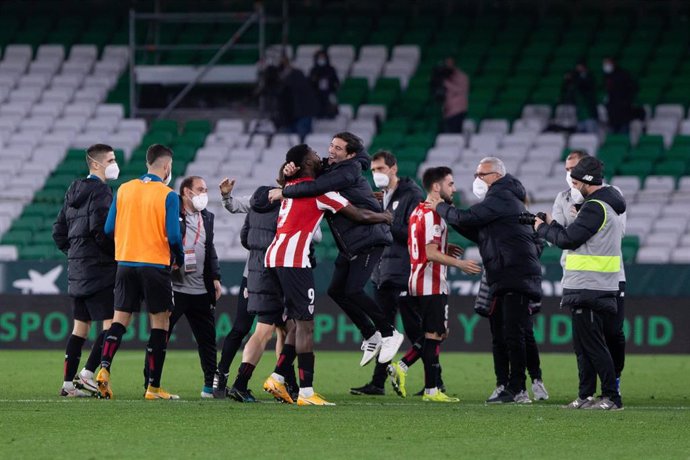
x: 297, y: 221
x: 426, y: 277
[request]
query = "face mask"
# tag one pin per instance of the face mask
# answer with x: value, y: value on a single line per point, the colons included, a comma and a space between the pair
x: 607, y: 67
x: 568, y: 179
x: 576, y: 195
x: 200, y: 201
x: 381, y: 180
x: 321, y: 61
x: 168, y: 178
x: 112, y: 171
x: 479, y: 188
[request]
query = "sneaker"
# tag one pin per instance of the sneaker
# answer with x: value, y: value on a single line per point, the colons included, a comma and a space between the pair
x: 74, y: 393
x: 371, y: 348
x: 313, y: 400
x: 604, y: 403
x: 84, y: 381
x: 390, y: 346
x: 523, y: 398
x: 220, y: 385
x: 580, y: 403
x: 441, y: 388
x: 278, y: 390
x: 504, y: 397
x: 497, y: 391
x: 207, y: 392
x: 103, y: 382
x: 368, y: 389
x: 439, y: 396
x: 242, y: 396
x: 397, y: 377
x: 158, y: 393
x: 539, y: 390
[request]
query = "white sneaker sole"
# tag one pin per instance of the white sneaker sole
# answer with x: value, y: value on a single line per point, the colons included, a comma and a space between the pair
x: 370, y: 355
x: 390, y: 347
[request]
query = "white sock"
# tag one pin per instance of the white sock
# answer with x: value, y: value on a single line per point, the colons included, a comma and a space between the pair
x: 69, y: 386
x: 307, y: 392
x: 87, y: 374
x: 430, y: 391
x: 278, y: 377
x: 403, y: 366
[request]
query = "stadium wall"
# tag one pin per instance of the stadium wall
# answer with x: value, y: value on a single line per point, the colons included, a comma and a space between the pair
x: 653, y: 325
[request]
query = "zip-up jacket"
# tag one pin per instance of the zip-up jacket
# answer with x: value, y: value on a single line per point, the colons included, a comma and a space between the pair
x: 593, y: 241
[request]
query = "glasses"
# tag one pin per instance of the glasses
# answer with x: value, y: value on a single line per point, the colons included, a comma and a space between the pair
x: 476, y: 175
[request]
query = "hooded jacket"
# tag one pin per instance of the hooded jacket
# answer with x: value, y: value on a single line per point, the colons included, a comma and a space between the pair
x: 256, y: 235
x: 509, y: 249
x: 211, y: 265
x: 394, y: 266
x: 595, y: 234
x: 79, y: 233
x: 346, y: 178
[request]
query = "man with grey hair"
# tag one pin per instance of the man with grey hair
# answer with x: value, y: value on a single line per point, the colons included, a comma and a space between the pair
x: 510, y: 257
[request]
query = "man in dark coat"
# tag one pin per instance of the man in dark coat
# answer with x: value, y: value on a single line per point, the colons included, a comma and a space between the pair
x: 621, y: 91
x: 510, y: 259
x: 78, y: 232
x: 325, y: 81
x: 298, y: 101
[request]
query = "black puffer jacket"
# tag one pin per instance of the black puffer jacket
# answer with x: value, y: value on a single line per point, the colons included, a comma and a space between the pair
x: 394, y: 267
x: 346, y: 177
x: 509, y: 253
x: 211, y: 265
x: 78, y: 232
x: 256, y: 235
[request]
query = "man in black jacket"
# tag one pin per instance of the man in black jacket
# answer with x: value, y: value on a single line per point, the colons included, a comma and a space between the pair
x: 510, y: 259
x: 360, y: 246
x: 78, y: 232
x: 621, y: 90
x: 196, y: 284
x: 400, y: 196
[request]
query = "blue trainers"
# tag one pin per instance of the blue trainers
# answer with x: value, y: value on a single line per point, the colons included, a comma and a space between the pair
x: 207, y: 392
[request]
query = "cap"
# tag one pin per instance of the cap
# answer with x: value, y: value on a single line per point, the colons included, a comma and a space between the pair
x: 588, y: 170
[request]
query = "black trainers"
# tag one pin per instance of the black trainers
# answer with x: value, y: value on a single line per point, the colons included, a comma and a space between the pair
x: 504, y: 397
x: 242, y: 396
x: 220, y: 386
x: 368, y: 389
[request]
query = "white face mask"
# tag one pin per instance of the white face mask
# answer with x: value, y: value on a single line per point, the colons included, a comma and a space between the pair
x: 112, y: 171
x: 568, y: 179
x: 576, y: 195
x: 200, y: 201
x: 168, y: 178
x: 381, y: 180
x: 479, y: 188
x: 607, y: 67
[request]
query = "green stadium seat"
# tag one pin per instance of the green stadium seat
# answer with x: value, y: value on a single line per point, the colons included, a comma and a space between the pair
x: 646, y: 152
x: 640, y: 168
x: 676, y: 168
x: 551, y: 254
x: 29, y: 223
x: 43, y: 238
x: 169, y: 126
x: 17, y: 237
x: 39, y: 252
x: 199, y: 126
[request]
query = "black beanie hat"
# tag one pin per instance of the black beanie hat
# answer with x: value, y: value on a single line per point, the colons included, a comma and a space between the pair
x: 588, y: 170
x: 297, y: 153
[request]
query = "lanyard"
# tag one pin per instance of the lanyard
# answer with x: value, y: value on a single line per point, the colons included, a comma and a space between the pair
x: 198, y: 232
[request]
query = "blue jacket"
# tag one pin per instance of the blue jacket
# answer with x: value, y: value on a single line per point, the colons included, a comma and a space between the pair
x: 346, y: 178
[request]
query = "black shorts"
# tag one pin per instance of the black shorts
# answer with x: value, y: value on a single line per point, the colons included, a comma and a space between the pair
x: 148, y: 284
x: 272, y: 319
x: 265, y: 296
x: 95, y: 307
x: 434, y: 312
x: 298, y: 292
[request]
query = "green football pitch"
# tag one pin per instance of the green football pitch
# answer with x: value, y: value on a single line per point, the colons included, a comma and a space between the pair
x: 35, y: 423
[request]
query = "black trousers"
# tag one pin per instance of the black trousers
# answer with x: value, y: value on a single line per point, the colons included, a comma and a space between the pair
x: 453, y: 124
x: 613, y: 332
x: 201, y: 317
x: 241, y: 325
x: 500, y: 350
x: 388, y: 297
x: 514, y: 311
x: 347, y: 290
x: 593, y: 357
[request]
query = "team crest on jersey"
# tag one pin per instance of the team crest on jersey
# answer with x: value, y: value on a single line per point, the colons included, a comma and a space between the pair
x: 395, y: 205
x: 437, y: 230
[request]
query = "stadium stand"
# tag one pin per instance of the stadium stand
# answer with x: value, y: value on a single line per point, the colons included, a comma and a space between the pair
x: 63, y: 86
